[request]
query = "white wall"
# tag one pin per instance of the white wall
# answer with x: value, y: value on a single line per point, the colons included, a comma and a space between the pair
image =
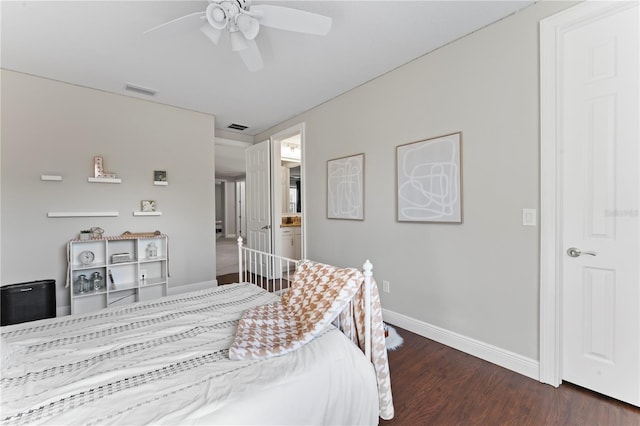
x: 50, y: 127
x: 478, y: 279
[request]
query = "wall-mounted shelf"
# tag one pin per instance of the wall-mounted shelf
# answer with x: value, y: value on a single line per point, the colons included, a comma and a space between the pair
x: 161, y: 183
x: 147, y: 213
x: 104, y: 180
x: 51, y: 178
x: 82, y: 214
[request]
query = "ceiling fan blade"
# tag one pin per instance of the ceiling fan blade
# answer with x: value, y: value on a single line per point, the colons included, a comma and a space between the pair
x: 251, y: 56
x: 173, y: 21
x: 285, y: 18
x: 238, y: 41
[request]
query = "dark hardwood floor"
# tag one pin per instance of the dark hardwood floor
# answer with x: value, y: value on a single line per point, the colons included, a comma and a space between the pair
x: 269, y: 285
x: 434, y: 384
x: 227, y: 279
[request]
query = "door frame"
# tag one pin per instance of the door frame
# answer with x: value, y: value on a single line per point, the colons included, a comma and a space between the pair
x: 552, y: 30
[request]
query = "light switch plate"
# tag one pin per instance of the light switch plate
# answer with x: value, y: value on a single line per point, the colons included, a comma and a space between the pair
x: 529, y: 217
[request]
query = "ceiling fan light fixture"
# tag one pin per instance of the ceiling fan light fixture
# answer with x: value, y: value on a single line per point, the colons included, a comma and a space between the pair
x: 248, y: 26
x: 216, y: 16
x: 238, y: 42
x: 212, y: 34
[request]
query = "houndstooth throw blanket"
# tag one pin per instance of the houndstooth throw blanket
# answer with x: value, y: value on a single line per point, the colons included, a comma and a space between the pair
x: 320, y: 294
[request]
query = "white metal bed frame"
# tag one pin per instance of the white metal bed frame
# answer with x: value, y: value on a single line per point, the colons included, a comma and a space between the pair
x: 272, y: 272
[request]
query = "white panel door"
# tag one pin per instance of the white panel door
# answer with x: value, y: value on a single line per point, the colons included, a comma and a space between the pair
x: 258, y: 196
x: 600, y: 192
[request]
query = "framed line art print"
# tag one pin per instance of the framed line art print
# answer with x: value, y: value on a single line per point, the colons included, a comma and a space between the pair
x: 345, y: 188
x: 429, y: 179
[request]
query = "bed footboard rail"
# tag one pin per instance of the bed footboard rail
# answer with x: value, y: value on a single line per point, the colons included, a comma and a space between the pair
x: 268, y: 271
x: 275, y: 274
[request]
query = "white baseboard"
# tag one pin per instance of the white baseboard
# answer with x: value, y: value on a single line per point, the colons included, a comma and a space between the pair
x: 507, y: 359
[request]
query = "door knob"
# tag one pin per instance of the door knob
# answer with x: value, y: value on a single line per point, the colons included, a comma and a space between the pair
x: 575, y: 252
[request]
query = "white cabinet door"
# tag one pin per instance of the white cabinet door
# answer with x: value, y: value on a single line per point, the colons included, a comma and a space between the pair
x: 297, y: 243
x: 287, y: 243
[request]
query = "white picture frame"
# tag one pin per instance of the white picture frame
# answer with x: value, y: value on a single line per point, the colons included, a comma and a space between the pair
x: 429, y: 180
x: 345, y: 188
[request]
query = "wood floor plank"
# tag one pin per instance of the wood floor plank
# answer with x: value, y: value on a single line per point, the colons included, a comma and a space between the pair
x: 435, y: 385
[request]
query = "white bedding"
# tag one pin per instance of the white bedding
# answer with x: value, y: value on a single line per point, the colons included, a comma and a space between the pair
x: 166, y: 362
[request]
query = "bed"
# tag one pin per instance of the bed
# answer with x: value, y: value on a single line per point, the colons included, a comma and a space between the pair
x: 235, y: 354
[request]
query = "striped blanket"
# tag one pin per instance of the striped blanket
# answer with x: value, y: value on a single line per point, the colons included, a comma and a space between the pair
x: 166, y: 361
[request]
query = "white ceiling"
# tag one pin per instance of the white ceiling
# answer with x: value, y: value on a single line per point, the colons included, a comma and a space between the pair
x: 100, y: 44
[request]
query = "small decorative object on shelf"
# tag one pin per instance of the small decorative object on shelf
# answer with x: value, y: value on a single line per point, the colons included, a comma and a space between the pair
x: 86, y: 257
x: 82, y: 285
x: 148, y: 206
x: 100, y: 176
x: 98, y: 281
x: 96, y: 232
x: 141, y: 234
x: 85, y: 234
x: 98, y: 166
x: 113, y: 283
x: 120, y: 258
x: 152, y: 250
x: 160, y: 177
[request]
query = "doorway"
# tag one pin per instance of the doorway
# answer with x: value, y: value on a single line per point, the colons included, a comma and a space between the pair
x: 275, y: 194
x: 288, y: 192
x: 590, y: 232
x: 229, y: 225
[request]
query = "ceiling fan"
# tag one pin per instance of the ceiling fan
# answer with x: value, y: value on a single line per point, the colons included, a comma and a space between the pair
x: 242, y: 21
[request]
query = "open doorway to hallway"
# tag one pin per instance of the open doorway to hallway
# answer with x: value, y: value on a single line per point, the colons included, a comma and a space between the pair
x: 226, y: 260
x: 230, y: 224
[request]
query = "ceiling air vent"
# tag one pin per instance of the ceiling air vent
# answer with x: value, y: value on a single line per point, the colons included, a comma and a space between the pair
x: 140, y: 89
x: 235, y: 126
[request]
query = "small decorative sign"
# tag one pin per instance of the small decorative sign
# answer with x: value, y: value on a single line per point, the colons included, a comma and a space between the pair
x: 98, y: 166
x: 148, y: 206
